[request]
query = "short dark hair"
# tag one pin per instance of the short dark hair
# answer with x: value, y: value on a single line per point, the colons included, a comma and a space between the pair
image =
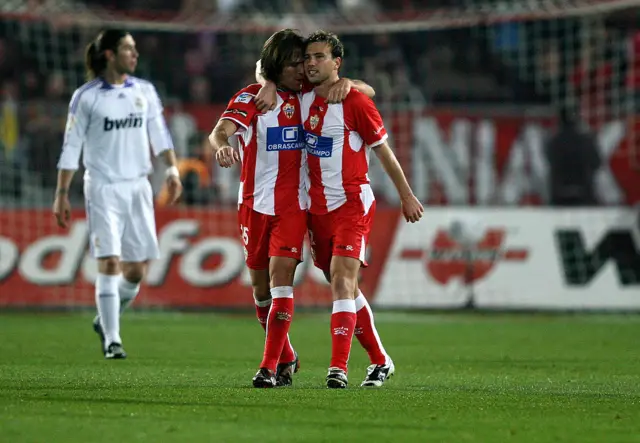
x: 278, y: 51
x: 95, y: 61
x: 337, y: 48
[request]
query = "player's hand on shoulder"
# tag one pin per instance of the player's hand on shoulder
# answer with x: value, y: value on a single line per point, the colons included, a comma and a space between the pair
x: 267, y: 97
x: 226, y: 156
x: 339, y: 91
x: 62, y: 210
x: 174, y: 188
x: 411, y: 208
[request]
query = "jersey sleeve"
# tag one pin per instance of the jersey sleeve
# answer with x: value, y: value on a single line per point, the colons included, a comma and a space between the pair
x: 241, y: 108
x: 365, y: 119
x: 76, y: 130
x: 159, y: 134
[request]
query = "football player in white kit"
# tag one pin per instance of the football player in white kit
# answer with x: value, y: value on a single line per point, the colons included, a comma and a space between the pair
x: 114, y: 118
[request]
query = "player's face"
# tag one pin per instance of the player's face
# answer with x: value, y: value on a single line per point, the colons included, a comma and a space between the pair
x: 319, y: 65
x: 293, y: 74
x: 126, y: 59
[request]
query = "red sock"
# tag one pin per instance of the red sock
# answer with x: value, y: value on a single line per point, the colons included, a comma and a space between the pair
x: 288, y: 353
x: 343, y: 322
x: 367, y: 334
x: 278, y: 324
x: 262, y: 312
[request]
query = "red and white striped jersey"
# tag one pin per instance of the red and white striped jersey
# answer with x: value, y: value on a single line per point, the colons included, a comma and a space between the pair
x: 273, y: 178
x: 339, y: 138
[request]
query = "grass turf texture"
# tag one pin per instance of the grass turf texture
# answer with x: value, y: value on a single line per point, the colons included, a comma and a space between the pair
x: 460, y: 378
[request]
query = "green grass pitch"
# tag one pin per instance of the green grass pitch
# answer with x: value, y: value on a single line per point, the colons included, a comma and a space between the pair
x: 460, y: 378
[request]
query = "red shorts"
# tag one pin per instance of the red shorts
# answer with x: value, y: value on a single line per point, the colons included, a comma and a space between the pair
x: 343, y: 232
x: 265, y: 236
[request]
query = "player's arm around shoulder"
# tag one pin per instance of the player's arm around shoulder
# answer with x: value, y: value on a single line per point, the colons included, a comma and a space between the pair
x: 345, y: 87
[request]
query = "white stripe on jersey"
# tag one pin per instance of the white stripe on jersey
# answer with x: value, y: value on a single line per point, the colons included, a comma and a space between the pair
x: 114, y: 125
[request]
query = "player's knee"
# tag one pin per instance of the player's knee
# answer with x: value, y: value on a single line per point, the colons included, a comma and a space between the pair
x: 109, y: 265
x: 343, y: 286
x: 282, y: 271
x: 260, y: 284
x: 134, y: 275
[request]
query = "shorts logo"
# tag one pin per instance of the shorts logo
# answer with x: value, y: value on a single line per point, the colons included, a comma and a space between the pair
x: 318, y: 145
x: 284, y: 138
x: 345, y: 247
x: 313, y: 121
x: 288, y: 109
x: 245, y: 97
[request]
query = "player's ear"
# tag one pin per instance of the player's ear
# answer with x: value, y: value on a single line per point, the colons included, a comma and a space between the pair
x: 109, y: 55
x: 338, y: 63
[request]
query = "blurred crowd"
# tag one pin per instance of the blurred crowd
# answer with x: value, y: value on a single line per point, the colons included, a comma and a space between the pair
x: 592, y: 63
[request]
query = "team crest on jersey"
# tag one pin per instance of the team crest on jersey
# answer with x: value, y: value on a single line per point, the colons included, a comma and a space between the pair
x: 314, y: 120
x: 288, y: 110
x: 139, y: 102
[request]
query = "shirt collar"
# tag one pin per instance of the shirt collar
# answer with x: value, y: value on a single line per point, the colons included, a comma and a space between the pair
x: 105, y: 85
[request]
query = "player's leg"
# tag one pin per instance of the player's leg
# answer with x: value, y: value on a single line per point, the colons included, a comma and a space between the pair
x: 252, y: 226
x: 139, y: 239
x: 107, y: 325
x: 365, y: 330
x: 105, y: 230
x: 344, y: 276
x: 129, y: 285
x: 253, y: 229
x: 285, y: 250
x: 382, y: 366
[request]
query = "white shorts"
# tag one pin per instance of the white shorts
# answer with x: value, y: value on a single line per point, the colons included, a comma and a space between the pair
x: 121, y: 220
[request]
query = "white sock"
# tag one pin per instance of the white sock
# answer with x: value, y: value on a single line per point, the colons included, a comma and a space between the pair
x: 128, y: 292
x: 108, y: 303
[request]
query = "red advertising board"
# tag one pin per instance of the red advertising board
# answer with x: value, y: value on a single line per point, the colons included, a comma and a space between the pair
x: 201, y: 263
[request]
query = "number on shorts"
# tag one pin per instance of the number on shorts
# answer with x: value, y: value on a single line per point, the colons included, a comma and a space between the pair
x: 245, y: 234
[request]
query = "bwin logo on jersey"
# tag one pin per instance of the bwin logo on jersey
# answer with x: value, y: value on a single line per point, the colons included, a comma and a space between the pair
x: 284, y: 138
x: 131, y: 121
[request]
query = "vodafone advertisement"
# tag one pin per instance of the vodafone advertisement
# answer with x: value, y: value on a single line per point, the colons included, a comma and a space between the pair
x: 201, y: 264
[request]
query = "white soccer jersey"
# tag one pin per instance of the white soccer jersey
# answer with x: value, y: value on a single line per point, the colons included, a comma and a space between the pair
x: 114, y: 125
